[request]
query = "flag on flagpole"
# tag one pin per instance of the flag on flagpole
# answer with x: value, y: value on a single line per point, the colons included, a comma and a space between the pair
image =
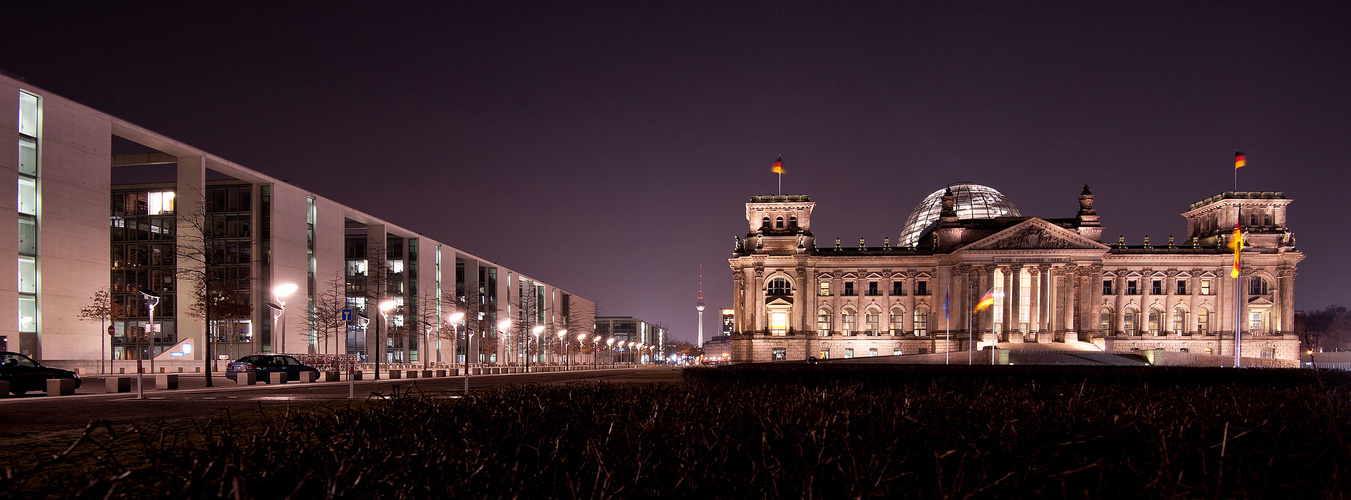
x: 947, y: 303
x: 1236, y: 243
x: 778, y: 165
x: 1239, y: 160
x: 985, y: 301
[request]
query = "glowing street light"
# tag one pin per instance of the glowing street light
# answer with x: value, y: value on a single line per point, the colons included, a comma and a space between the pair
x: 455, y: 319
x: 504, y: 328
x: 385, y: 308
x: 562, y: 339
x: 280, y: 293
x: 151, y: 300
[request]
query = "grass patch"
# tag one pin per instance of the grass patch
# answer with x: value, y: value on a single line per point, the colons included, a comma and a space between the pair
x: 758, y: 431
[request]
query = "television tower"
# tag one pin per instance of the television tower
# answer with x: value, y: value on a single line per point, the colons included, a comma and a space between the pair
x: 700, y: 306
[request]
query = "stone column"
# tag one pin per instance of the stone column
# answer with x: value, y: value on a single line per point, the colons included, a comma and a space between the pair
x: 375, y: 242
x: 1285, y: 302
x: 1034, y: 308
x: 1170, y: 285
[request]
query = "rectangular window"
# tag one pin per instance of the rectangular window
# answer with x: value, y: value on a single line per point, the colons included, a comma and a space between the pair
x: 874, y: 320
x: 823, y: 322
x: 1129, y: 323
x: 28, y: 157
x: 1254, y: 322
x: 897, y: 322
x: 921, y: 322
x: 779, y: 354
x: 848, y: 353
x: 1132, y: 287
x: 872, y: 289
x: 1203, y: 322
x: 847, y: 324
x: 825, y: 289
x: 28, y: 275
x: 898, y: 288
x: 28, y: 114
x: 28, y: 310
x: 896, y: 351
x: 1156, y: 287
x: 1105, y: 322
x: 1106, y: 287
x: 872, y: 352
x: 825, y: 353
x: 1205, y: 287
x: 778, y: 322
x: 28, y: 196
x: 921, y: 287
x: 28, y: 236
x: 848, y: 289
x: 1181, y: 287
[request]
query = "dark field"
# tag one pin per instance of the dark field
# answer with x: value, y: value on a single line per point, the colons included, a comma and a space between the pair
x: 756, y: 431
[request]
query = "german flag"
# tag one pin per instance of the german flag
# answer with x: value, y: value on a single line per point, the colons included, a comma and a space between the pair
x: 1239, y: 160
x: 1236, y: 244
x: 986, y: 301
x: 778, y: 165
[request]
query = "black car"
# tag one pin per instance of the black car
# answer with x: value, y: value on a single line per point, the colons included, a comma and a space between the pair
x: 24, y: 374
x: 267, y: 364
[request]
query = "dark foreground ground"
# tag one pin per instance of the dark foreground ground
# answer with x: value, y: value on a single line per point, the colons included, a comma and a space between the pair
x: 753, y: 432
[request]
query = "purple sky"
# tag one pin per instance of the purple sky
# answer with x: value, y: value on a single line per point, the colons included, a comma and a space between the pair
x: 608, y: 147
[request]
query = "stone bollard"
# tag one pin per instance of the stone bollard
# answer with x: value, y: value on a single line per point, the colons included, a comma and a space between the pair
x: 330, y: 376
x: 60, y: 386
x: 426, y: 374
x: 394, y: 374
x: 166, y: 382
x: 278, y: 378
x: 309, y: 376
x: 247, y: 378
x: 440, y: 374
x: 410, y: 374
x: 117, y: 384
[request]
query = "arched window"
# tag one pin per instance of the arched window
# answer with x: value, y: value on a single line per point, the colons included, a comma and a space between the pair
x: 921, y: 321
x: 792, y: 221
x: 1252, y: 219
x: 873, y: 319
x: 1105, y: 321
x: 823, y: 322
x: 764, y: 222
x: 1266, y: 220
x: 1203, y: 322
x: 1155, y: 321
x: 778, y: 223
x: 779, y: 286
x: 847, y: 319
x: 1257, y: 286
x: 1128, y: 323
x: 1179, y: 320
x: 897, y: 321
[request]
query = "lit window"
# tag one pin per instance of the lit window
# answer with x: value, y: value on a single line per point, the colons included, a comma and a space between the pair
x: 872, y: 352
x: 874, y: 320
x: 897, y: 321
x: 848, y: 353
x: 1205, y: 287
x: 1128, y: 323
x: 896, y: 351
x: 28, y: 275
x: 1203, y: 322
x: 1255, y: 322
x: 921, y: 322
x: 778, y: 322
x: 824, y: 289
x: 1105, y: 320
x: 160, y: 202
x: 823, y: 322
x: 779, y: 354
x: 825, y: 353
x: 28, y: 196
x: 847, y: 322
x: 1155, y: 321
x: 1179, y: 320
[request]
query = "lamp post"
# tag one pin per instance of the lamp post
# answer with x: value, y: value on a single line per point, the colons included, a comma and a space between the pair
x: 151, y: 300
x: 611, y: 344
x: 538, y: 329
x: 455, y: 319
x: 385, y: 308
x: 504, y: 328
x: 280, y: 293
x: 426, y: 344
x: 563, y: 339
x: 595, y: 352
x: 362, y: 322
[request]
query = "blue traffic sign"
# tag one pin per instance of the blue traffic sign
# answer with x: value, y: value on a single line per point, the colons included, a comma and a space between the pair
x: 347, y: 315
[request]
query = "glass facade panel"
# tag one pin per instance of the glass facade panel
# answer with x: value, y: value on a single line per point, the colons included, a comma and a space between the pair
x: 28, y: 275
x: 973, y: 201
x: 28, y: 114
x: 28, y: 157
x: 28, y: 236
x: 28, y: 311
x: 28, y: 196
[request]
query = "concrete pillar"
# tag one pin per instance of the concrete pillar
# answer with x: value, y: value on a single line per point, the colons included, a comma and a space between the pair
x: 1006, y: 304
x: 1285, y: 301
x: 375, y: 241
x: 1034, y: 307
x: 190, y: 204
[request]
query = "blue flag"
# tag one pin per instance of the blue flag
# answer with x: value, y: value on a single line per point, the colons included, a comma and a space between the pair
x: 947, y: 304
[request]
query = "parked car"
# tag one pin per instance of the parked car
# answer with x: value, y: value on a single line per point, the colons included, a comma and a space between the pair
x: 265, y: 365
x: 24, y: 374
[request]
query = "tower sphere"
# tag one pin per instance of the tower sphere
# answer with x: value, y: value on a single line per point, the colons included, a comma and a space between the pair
x: 700, y: 307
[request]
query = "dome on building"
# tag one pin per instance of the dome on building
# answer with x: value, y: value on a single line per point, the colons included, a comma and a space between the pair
x: 973, y: 201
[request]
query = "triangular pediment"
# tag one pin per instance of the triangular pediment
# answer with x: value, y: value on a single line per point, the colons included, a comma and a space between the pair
x: 1036, y: 234
x: 1259, y: 301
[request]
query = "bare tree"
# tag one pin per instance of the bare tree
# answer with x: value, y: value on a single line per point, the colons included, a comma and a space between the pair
x: 325, y: 319
x: 103, y: 309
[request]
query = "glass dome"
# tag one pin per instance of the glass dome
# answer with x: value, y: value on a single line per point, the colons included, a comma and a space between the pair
x: 974, y: 201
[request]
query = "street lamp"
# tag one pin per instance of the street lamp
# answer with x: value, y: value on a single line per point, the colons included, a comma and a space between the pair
x: 455, y: 319
x: 385, y: 308
x: 611, y: 344
x: 538, y: 329
x: 362, y: 322
x: 562, y: 339
x: 151, y: 300
x: 280, y: 293
x: 504, y: 328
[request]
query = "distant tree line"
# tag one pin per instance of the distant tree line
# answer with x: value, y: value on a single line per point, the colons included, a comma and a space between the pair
x: 1327, y: 329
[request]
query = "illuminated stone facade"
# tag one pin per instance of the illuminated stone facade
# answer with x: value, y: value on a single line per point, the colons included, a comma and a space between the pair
x: 1054, y: 282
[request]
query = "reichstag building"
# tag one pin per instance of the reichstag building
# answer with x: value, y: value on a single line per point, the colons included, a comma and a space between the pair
x: 1054, y: 282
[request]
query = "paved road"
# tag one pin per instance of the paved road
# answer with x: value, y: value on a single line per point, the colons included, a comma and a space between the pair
x: 37, y: 413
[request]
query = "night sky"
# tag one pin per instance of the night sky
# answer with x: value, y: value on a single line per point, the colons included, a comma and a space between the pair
x: 608, y: 148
